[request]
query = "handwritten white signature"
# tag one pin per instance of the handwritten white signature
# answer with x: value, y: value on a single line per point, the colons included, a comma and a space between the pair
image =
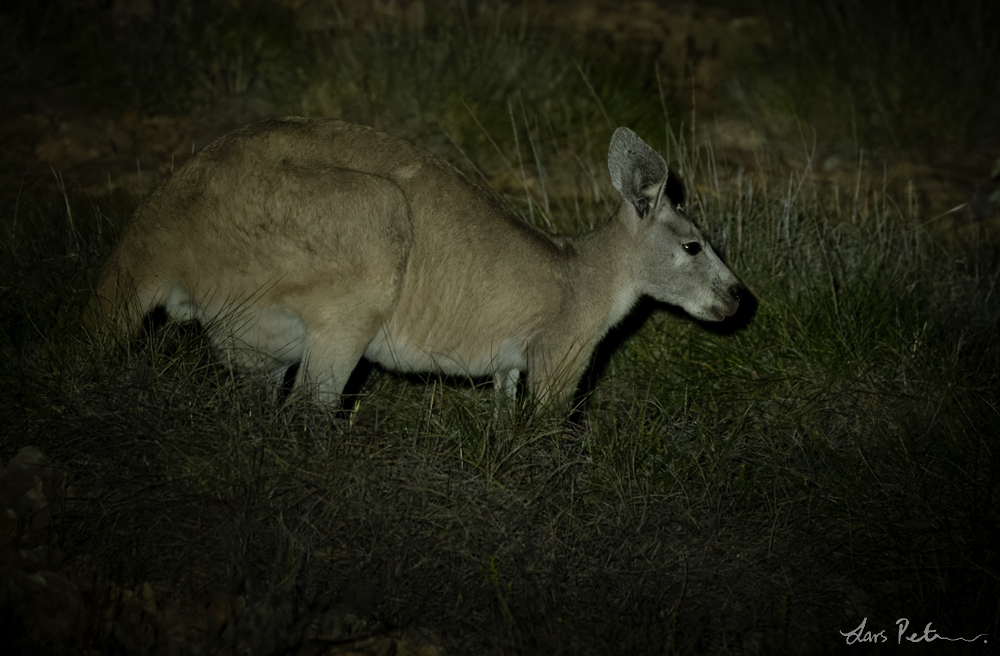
x: 863, y: 635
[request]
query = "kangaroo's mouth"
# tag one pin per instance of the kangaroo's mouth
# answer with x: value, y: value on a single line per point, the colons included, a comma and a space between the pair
x: 722, y: 310
x: 713, y: 313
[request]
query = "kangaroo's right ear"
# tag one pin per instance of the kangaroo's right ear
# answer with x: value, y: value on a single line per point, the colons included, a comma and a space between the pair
x: 637, y: 171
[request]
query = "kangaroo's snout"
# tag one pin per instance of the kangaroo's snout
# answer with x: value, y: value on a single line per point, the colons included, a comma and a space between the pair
x: 736, y: 293
x: 318, y: 242
x: 726, y: 304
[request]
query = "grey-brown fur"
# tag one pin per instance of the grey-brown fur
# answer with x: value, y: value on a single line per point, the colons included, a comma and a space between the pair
x: 322, y: 242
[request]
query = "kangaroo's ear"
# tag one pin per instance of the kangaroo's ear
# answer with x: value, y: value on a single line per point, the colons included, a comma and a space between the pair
x: 637, y: 171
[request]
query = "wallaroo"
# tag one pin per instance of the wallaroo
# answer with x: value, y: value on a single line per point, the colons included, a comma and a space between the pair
x: 318, y: 242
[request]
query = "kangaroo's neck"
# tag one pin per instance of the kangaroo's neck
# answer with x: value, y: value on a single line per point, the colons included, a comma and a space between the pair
x: 605, y: 281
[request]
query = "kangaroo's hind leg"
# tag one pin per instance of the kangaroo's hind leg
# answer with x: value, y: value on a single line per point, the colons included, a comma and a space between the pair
x: 346, y: 283
x: 335, y: 343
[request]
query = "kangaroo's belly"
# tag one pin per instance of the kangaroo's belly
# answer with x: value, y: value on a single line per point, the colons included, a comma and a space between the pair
x: 471, y: 355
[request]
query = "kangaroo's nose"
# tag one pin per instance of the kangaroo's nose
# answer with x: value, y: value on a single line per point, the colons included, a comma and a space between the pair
x: 737, y: 291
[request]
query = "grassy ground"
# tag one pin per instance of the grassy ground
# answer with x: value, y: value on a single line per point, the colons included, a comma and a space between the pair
x: 758, y: 489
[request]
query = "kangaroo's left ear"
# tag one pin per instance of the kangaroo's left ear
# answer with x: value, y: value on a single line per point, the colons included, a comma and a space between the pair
x: 637, y: 171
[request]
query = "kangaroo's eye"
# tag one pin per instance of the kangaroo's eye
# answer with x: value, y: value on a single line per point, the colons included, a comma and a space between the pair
x: 692, y: 248
x: 642, y: 206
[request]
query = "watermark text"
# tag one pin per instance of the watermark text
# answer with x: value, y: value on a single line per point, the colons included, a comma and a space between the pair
x: 863, y: 635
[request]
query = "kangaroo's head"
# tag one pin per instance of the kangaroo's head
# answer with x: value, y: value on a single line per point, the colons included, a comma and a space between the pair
x: 675, y: 263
